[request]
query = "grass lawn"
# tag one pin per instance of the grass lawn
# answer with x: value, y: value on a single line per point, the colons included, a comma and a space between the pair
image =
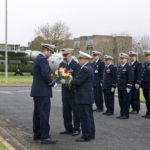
x: 26, y: 78
x: 2, y: 147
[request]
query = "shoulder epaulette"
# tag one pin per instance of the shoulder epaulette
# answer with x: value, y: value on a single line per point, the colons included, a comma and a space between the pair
x: 129, y: 84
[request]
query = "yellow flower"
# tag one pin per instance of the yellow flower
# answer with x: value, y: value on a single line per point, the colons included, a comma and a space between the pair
x: 61, y: 68
x: 66, y: 74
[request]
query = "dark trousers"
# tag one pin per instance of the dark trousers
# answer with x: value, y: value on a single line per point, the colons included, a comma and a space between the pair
x: 70, y: 112
x: 87, y: 121
x: 41, y: 115
x: 124, y: 102
x: 98, y: 96
x: 109, y: 100
x: 146, y: 93
x: 135, y: 99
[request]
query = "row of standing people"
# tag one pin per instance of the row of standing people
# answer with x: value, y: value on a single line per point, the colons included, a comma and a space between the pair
x: 128, y: 78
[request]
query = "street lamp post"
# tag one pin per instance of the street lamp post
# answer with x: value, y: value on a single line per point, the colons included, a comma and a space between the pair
x: 6, y: 53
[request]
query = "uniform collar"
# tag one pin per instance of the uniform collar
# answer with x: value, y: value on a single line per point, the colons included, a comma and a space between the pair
x: 69, y: 61
x: 42, y: 54
x: 122, y: 65
x: 84, y: 65
x: 97, y: 60
x: 108, y: 65
x: 133, y: 62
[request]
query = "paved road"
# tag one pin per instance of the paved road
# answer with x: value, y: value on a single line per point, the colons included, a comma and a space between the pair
x: 16, y: 109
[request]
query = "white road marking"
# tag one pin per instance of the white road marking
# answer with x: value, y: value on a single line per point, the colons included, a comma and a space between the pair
x: 13, y: 92
x: 6, y: 92
x: 22, y: 91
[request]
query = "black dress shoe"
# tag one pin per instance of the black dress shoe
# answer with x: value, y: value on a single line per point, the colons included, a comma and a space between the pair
x: 36, y: 138
x: 105, y: 113
x: 92, y: 138
x: 98, y: 110
x: 124, y: 117
x: 75, y: 133
x: 110, y: 114
x: 49, y: 141
x: 146, y: 116
x: 66, y: 132
x: 134, y: 112
x: 81, y: 139
x: 118, y: 117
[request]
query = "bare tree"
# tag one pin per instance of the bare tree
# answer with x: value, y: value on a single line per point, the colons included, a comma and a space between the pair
x: 44, y: 31
x: 56, y: 34
x: 141, y: 44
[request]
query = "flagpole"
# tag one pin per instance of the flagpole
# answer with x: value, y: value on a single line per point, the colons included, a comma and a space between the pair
x: 6, y: 52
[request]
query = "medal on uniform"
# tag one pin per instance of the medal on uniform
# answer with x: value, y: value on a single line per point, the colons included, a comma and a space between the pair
x: 96, y: 71
x: 148, y: 67
x: 71, y: 70
x: 124, y: 70
x: 108, y: 70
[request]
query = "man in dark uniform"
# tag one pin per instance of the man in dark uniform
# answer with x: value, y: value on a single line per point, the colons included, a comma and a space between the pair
x: 135, y: 92
x: 109, y: 84
x: 70, y: 109
x: 145, y: 83
x: 84, y: 97
x: 124, y: 84
x: 98, y: 67
x: 41, y: 92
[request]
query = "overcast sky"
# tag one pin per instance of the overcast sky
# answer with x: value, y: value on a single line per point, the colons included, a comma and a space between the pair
x: 84, y: 17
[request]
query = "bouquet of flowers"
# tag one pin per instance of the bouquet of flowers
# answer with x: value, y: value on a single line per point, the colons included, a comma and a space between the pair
x: 62, y: 73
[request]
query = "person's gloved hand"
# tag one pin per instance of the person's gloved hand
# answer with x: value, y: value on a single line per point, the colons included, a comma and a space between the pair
x: 128, y: 90
x: 55, y: 85
x: 62, y: 81
x: 112, y: 89
x: 101, y: 84
x: 137, y: 86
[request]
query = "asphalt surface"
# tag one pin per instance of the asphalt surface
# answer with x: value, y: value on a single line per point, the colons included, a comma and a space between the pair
x: 16, y: 108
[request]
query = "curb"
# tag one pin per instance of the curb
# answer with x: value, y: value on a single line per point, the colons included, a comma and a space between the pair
x: 19, y: 85
x: 6, y: 144
x: 15, y: 85
x: 10, y: 142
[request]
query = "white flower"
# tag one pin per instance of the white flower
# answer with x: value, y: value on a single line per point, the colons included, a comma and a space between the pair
x: 62, y: 72
x: 56, y: 72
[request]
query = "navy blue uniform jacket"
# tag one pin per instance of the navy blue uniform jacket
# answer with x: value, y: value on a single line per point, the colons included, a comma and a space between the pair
x: 145, y: 79
x: 110, y: 77
x: 42, y: 81
x: 137, y: 71
x: 98, y: 68
x: 84, y: 85
x: 125, y: 77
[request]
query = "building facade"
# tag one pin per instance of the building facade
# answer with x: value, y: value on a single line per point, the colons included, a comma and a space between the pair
x: 107, y: 45
x: 12, y: 47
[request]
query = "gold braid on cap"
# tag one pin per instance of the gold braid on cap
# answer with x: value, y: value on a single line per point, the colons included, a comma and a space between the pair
x: 83, y: 56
